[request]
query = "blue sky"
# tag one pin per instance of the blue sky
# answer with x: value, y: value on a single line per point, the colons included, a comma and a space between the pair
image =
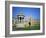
x: 34, y: 12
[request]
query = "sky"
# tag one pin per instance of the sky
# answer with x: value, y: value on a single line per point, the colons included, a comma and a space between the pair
x: 34, y: 12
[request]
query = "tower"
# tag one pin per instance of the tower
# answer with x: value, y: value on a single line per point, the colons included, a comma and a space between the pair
x: 20, y: 20
x: 20, y: 17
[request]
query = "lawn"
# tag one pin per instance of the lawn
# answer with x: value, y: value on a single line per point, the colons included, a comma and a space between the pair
x: 35, y: 27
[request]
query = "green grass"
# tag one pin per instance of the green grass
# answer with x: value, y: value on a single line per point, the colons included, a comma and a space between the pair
x: 36, y: 27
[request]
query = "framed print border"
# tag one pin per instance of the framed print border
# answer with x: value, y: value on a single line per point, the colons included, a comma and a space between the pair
x: 7, y: 18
